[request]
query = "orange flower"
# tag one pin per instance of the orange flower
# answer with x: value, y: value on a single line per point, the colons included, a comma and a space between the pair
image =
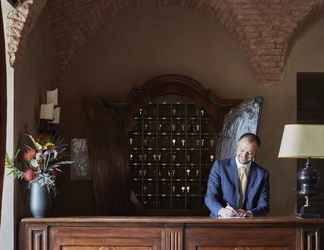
x: 29, y: 154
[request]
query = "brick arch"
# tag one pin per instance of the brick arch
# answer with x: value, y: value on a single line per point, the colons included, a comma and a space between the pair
x: 265, y: 29
x: 103, y: 10
x: 283, y: 21
x: 304, y: 22
x: 21, y: 21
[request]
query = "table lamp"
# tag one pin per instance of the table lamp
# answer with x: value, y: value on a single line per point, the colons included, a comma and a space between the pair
x: 304, y: 141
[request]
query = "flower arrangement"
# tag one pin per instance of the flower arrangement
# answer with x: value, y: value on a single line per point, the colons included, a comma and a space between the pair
x: 39, y: 160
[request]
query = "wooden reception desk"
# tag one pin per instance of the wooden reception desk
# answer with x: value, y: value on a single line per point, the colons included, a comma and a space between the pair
x: 170, y: 233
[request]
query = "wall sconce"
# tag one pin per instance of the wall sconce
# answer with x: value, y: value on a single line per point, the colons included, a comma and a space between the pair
x: 50, y: 113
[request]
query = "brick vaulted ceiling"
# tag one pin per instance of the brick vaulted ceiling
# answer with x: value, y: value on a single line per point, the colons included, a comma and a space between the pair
x: 265, y: 29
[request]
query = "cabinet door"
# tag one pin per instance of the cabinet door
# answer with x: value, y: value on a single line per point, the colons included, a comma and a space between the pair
x: 240, y: 239
x: 103, y: 238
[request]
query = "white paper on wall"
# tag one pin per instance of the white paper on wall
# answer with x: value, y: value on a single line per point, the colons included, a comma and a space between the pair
x: 57, y: 112
x: 47, y: 111
x: 79, y: 154
x: 52, y: 96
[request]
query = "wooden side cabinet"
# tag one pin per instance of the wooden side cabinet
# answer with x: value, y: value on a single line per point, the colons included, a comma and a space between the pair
x: 170, y: 233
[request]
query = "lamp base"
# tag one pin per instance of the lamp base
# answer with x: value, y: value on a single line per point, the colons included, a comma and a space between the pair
x: 308, y: 212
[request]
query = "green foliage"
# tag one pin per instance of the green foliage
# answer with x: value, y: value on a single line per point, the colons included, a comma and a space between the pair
x: 10, y: 165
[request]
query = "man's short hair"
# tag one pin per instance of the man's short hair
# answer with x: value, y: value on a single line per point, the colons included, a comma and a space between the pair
x: 251, y: 138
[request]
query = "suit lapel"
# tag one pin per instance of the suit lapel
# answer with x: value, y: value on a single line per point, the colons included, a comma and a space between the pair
x: 250, y: 180
x: 235, y: 179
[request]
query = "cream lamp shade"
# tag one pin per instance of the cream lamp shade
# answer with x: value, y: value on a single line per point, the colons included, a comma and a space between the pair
x: 302, y: 141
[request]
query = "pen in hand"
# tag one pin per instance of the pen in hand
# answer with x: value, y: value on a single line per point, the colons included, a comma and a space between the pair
x: 229, y: 207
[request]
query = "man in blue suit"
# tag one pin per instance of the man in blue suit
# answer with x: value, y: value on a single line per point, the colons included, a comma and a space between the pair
x: 238, y: 187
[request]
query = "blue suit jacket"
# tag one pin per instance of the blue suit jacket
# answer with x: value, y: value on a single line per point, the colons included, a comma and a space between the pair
x: 223, y: 188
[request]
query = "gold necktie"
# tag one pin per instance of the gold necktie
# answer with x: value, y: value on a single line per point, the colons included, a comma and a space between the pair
x: 243, y: 180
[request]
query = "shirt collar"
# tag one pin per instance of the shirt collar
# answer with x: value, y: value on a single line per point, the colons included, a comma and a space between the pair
x: 238, y: 164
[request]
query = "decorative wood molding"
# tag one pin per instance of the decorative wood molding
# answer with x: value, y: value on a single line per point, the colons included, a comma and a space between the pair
x: 180, y: 85
x: 39, y: 239
x: 104, y: 237
x: 172, y: 239
x: 20, y: 23
x: 35, y: 237
x: 310, y: 238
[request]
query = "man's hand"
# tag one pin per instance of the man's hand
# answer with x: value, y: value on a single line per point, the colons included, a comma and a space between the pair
x: 244, y: 213
x: 227, y: 212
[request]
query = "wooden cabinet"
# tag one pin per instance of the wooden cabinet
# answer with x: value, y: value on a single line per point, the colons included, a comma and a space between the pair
x: 156, y: 151
x: 173, y: 136
x: 170, y: 233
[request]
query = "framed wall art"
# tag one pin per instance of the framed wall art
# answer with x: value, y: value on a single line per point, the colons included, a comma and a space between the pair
x: 79, y: 154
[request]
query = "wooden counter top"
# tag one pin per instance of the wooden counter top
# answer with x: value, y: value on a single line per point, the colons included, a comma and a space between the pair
x: 176, y: 220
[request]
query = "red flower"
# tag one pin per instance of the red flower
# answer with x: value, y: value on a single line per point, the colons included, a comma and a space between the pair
x: 55, y: 172
x: 28, y: 174
x: 29, y: 154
